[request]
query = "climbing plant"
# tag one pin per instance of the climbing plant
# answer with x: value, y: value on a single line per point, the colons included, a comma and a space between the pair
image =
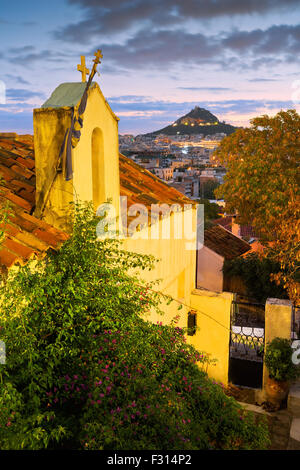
x: 85, y: 368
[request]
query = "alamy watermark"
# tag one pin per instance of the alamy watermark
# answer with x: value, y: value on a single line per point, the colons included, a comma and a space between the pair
x: 296, y: 353
x: 2, y: 353
x: 2, y: 92
x: 159, y: 222
x: 296, y: 93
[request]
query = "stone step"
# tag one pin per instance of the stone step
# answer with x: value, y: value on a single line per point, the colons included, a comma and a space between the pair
x: 293, y: 402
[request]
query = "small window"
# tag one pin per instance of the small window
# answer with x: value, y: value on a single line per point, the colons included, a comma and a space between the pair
x: 192, y: 323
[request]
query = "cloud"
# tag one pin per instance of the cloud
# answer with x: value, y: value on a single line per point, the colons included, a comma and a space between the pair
x: 234, y: 50
x: 257, y: 80
x: 139, y: 113
x: 21, y: 50
x: 29, y: 24
x: 141, y: 33
x: 276, y: 39
x: 16, y: 78
x: 147, y: 116
x: 22, y: 95
x: 20, y: 122
x: 205, y: 88
x: 161, y: 49
x: 172, y: 110
x: 28, y: 55
x: 114, y: 16
x: 248, y: 106
x: 130, y: 99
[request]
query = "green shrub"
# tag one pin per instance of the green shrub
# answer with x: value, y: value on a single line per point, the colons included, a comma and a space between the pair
x: 255, y: 272
x: 84, y: 369
x: 278, y: 360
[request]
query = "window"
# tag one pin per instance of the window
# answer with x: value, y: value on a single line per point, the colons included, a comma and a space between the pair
x: 192, y: 323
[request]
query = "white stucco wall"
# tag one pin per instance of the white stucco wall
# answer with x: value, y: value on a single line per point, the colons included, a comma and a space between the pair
x: 209, y: 270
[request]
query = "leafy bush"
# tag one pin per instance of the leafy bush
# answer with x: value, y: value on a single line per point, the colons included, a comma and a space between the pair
x: 255, y: 272
x: 86, y: 371
x: 278, y: 360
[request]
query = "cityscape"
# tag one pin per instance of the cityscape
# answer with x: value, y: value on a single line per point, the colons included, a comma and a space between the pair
x: 185, y: 161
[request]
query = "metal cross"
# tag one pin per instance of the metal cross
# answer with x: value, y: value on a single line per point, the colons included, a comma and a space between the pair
x: 98, y: 55
x: 82, y: 68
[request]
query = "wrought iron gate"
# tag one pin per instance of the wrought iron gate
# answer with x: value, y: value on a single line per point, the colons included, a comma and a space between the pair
x: 247, y: 337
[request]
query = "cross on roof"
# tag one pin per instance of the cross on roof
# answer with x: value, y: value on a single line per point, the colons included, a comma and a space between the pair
x: 82, y: 68
x: 98, y: 55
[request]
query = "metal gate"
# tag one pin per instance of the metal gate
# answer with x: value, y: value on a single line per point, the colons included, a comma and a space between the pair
x: 247, y: 337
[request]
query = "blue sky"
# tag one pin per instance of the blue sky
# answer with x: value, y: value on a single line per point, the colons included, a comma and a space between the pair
x: 239, y: 59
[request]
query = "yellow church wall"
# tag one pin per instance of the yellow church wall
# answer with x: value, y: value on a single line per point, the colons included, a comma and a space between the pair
x: 176, y: 269
x: 52, y: 191
x: 278, y: 324
x: 213, y: 321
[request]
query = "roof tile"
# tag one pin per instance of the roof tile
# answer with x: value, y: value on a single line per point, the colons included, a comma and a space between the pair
x: 47, y: 237
x: 27, y: 235
x: 18, y: 248
x: 224, y: 243
x: 141, y: 186
x: 7, y: 258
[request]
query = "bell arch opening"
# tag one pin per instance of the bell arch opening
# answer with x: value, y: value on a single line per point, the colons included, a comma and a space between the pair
x: 98, y: 168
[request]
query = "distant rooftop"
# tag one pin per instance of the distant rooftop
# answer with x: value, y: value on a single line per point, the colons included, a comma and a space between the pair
x: 224, y: 243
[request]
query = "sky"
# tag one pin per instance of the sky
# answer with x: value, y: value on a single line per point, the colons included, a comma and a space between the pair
x: 238, y: 59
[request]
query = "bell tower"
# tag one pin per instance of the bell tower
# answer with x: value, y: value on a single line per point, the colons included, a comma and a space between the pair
x: 76, y: 149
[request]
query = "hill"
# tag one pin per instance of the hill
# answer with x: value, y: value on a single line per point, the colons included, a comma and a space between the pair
x: 197, y: 121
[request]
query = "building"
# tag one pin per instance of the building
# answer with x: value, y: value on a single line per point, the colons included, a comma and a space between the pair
x: 165, y: 174
x: 219, y: 244
x: 187, y: 185
x: 149, y: 163
x: 245, y: 232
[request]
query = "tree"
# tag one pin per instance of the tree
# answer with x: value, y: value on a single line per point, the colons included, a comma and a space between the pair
x: 211, y: 212
x: 262, y: 186
x: 84, y: 369
x: 255, y: 272
x: 208, y: 187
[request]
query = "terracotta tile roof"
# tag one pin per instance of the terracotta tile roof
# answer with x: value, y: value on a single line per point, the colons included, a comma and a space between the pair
x: 224, y: 243
x: 141, y: 186
x: 25, y: 235
x: 256, y: 247
x: 246, y: 231
x: 225, y: 222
